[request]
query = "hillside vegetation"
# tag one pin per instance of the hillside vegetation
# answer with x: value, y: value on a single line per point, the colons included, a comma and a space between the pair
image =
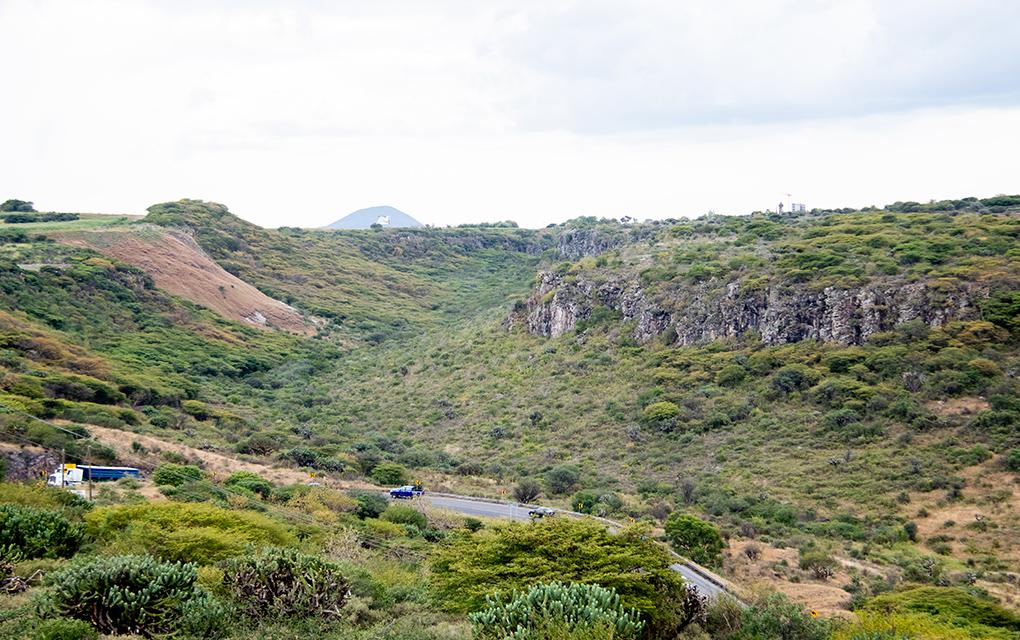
x: 840, y: 385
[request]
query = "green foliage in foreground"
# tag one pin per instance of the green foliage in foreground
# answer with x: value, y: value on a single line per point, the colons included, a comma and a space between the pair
x: 511, y: 557
x: 698, y: 540
x: 952, y: 606
x: 281, y: 583
x: 64, y: 629
x: 190, y: 532
x: 126, y: 594
x: 914, y: 626
x: 576, y: 606
x: 776, y: 616
x: 38, y: 533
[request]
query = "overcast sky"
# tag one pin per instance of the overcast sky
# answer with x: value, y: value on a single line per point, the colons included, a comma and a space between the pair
x: 298, y: 112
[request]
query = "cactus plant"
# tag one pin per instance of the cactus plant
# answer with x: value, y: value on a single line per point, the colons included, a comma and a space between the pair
x: 283, y: 582
x: 572, y: 605
x: 124, y: 594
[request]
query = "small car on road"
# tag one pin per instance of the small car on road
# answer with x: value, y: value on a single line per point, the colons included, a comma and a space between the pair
x: 542, y: 512
x: 407, y: 491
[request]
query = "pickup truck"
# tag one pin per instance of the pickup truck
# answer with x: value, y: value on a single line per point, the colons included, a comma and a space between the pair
x: 407, y: 491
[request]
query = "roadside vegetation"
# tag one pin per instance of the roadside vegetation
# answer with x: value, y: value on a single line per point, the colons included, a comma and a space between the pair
x: 310, y: 560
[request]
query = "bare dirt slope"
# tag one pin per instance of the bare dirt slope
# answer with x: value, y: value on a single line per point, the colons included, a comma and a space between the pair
x: 219, y: 465
x: 178, y: 265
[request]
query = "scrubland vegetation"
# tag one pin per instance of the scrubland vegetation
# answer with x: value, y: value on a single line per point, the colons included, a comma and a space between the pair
x: 887, y: 468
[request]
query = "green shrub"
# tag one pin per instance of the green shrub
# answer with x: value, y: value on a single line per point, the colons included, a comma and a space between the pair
x: 370, y: 504
x: 503, y: 558
x: 562, y: 478
x: 698, y: 540
x: 389, y: 473
x: 661, y: 415
x: 193, y: 532
x: 898, y: 626
x: 38, y: 533
x: 775, y: 616
x: 175, y: 475
x: 571, y: 605
x: 730, y: 375
x: 1012, y: 460
x: 282, y: 583
x: 123, y: 594
x: 595, y: 503
x: 951, y: 605
x: 794, y: 377
x: 820, y: 564
x: 402, y: 514
x: 196, y: 491
x: 63, y: 629
x: 527, y: 490
x: 250, y: 481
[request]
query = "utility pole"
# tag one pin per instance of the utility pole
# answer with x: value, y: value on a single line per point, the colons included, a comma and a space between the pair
x: 63, y: 467
x: 88, y: 452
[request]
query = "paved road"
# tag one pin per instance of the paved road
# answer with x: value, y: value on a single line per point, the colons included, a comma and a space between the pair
x: 480, y: 509
x: 517, y: 512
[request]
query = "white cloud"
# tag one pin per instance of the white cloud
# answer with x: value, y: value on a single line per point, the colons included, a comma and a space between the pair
x: 296, y: 113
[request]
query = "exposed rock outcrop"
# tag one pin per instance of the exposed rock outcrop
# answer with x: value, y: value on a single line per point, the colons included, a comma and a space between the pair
x: 778, y: 314
x: 27, y: 463
x: 583, y: 243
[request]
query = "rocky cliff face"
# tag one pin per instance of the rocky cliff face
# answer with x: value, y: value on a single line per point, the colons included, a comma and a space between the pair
x: 26, y: 464
x: 781, y: 314
x: 583, y: 243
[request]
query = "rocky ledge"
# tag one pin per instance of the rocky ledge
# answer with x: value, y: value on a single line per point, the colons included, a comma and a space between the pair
x: 779, y: 314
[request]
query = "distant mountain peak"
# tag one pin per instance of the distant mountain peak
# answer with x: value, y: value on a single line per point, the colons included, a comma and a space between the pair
x: 385, y: 215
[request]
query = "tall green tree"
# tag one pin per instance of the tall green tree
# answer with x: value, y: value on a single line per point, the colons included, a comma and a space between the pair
x: 698, y: 540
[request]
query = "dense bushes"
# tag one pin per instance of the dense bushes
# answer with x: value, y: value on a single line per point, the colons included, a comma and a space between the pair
x: 1012, y: 460
x: 401, y: 514
x: 175, y: 475
x: 504, y: 558
x: 389, y: 473
x: 44, y: 497
x: 370, y: 504
x: 953, y: 606
x: 523, y: 615
x: 250, y: 482
x: 22, y: 218
x: 698, y: 540
x: 193, y: 532
x: 64, y: 629
x: 661, y: 415
x: 126, y: 594
x: 280, y: 583
x: 774, y: 616
x: 562, y: 478
x: 38, y: 533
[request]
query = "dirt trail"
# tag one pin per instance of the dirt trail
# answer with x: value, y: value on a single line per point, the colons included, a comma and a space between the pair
x: 218, y: 464
x: 178, y: 265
